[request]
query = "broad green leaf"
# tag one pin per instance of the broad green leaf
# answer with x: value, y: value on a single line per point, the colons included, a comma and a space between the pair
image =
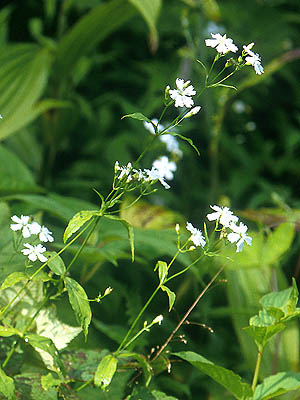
x: 228, y: 379
x: 285, y: 300
x: 46, y: 348
x: 171, y: 296
x: 24, y: 70
x: 4, y: 331
x: 150, y: 11
x: 162, y: 270
x: 55, y: 263
x: 14, y: 175
x: 139, y: 116
x: 276, y: 385
x: 48, y: 381
x: 88, y: 32
x: 7, y: 386
x: 105, y: 371
x: 77, y: 221
x: 130, y: 232
x: 278, y: 242
x: 262, y: 334
x: 48, y: 325
x: 12, y: 279
x: 80, y: 304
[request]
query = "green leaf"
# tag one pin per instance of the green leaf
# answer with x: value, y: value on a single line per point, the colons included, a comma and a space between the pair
x: 55, y: 263
x: 276, y: 385
x: 162, y: 270
x: 24, y: 70
x: 139, y: 116
x: 130, y: 232
x: 228, y: 379
x: 7, y: 386
x: 171, y: 296
x: 5, y: 332
x: 105, y: 371
x: 48, y: 325
x: 77, y: 221
x: 14, y: 175
x: 48, y: 381
x: 190, y: 142
x: 80, y: 304
x: 12, y: 279
x: 150, y: 11
x: 285, y: 300
x: 86, y: 34
x: 278, y: 243
x: 46, y: 348
x: 262, y: 334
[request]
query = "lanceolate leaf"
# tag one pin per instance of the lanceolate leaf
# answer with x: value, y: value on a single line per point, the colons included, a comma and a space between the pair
x: 7, y: 386
x: 129, y: 228
x: 12, y: 279
x: 138, y: 116
x: 89, y: 32
x: 4, y: 331
x: 80, y: 304
x: 55, y: 263
x: 231, y: 381
x: 24, y: 70
x: 77, y: 221
x: 171, y: 296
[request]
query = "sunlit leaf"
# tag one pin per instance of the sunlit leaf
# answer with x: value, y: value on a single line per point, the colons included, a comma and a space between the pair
x: 7, y: 386
x: 77, y: 221
x: 138, y: 116
x: 55, y: 262
x: 105, y: 371
x: 276, y: 385
x: 171, y: 296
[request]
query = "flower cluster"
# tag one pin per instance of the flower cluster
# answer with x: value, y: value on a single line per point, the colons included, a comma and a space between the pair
x: 225, y: 217
x: 28, y: 229
x: 161, y: 169
x: 223, y: 45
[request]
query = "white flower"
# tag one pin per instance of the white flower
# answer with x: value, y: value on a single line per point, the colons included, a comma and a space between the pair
x: 253, y: 59
x: 182, y: 94
x: 125, y: 171
x: 192, y: 112
x: 223, y: 215
x: 22, y: 224
x: 197, y: 238
x: 154, y: 175
x: 222, y: 44
x: 238, y: 235
x: 35, y: 228
x: 45, y: 235
x: 171, y: 143
x: 158, y: 320
x: 164, y: 167
x: 34, y: 252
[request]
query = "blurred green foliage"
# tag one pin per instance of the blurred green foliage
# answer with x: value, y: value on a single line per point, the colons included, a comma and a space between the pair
x: 69, y: 70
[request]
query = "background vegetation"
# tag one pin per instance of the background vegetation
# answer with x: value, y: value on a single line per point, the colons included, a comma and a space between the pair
x: 69, y: 70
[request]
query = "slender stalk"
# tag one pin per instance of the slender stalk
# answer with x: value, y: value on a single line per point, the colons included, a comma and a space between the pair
x: 136, y: 321
x: 188, y: 313
x: 257, y: 367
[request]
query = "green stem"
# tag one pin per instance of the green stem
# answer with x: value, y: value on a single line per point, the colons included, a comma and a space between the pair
x: 257, y: 367
x: 122, y: 345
